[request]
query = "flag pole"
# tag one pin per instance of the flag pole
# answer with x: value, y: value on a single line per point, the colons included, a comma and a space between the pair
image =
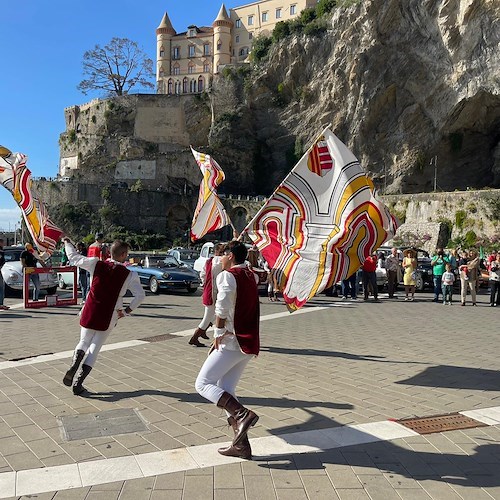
x: 281, y: 183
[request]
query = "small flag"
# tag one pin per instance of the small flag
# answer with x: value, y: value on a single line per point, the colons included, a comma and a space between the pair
x: 209, y: 214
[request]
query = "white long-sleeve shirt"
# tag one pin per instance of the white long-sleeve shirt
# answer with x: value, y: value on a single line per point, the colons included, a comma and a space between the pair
x: 132, y: 282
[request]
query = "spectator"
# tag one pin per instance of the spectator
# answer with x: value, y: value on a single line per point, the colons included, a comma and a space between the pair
x: 370, y: 276
x: 447, y: 284
x: 349, y: 287
x: 83, y: 274
x: 468, y: 277
x: 393, y: 270
x: 438, y: 263
x: 3, y: 307
x: 409, y: 266
x: 494, y: 281
x: 28, y: 261
x: 98, y: 249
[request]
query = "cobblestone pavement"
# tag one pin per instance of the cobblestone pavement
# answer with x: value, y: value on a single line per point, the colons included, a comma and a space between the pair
x: 336, y: 365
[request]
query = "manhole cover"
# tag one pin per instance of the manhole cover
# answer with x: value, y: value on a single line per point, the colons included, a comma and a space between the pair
x: 159, y: 338
x: 440, y: 423
x: 104, y: 423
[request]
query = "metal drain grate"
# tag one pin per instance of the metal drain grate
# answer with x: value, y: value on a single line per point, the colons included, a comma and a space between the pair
x: 440, y: 423
x: 104, y: 423
x: 159, y: 338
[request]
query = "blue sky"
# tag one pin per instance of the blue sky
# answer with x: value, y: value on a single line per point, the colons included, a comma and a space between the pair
x: 41, y: 54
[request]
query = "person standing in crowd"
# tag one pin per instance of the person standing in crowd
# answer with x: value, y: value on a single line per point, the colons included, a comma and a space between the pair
x: 103, y: 307
x: 468, y: 277
x: 447, y: 284
x: 494, y: 279
x: 349, y: 287
x: 28, y: 261
x: 438, y: 263
x: 236, y: 341
x: 3, y: 307
x: 370, y: 277
x: 98, y: 249
x: 208, y: 276
x: 83, y: 274
x: 393, y: 270
x: 409, y: 266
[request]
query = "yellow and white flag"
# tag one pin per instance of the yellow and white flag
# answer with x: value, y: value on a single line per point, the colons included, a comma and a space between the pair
x: 209, y: 214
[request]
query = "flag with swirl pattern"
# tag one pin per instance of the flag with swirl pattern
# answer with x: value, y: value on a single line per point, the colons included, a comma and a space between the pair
x: 15, y: 176
x: 321, y: 223
x: 209, y: 214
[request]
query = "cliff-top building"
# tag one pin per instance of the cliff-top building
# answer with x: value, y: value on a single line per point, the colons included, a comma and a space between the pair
x: 186, y: 61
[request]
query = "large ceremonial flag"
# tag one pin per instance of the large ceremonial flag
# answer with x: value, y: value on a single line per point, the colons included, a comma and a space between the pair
x: 16, y: 177
x: 321, y: 223
x: 209, y: 214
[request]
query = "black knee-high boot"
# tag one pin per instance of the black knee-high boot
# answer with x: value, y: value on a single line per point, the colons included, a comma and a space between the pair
x: 78, y: 387
x: 75, y: 364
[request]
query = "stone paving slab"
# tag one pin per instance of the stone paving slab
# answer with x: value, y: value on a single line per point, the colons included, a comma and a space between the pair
x: 350, y: 364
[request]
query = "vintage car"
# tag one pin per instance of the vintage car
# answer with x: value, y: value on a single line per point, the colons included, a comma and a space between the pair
x: 164, y: 272
x: 12, y: 272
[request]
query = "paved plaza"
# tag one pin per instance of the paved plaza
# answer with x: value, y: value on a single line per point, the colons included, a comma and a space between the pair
x: 328, y: 385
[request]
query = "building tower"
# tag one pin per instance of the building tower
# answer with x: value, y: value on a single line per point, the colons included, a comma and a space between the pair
x: 164, y: 34
x: 222, y: 39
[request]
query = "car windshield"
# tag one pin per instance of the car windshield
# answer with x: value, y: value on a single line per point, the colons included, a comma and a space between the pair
x: 162, y: 261
x: 189, y: 255
x: 12, y: 255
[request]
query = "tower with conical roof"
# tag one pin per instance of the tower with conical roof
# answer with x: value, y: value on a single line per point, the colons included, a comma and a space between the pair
x: 164, y: 34
x: 222, y: 39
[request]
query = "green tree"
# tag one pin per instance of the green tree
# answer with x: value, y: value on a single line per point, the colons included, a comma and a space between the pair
x: 116, y: 68
x: 280, y: 31
x: 260, y: 48
x: 325, y: 6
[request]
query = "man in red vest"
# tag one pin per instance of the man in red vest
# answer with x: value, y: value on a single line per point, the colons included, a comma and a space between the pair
x: 103, y: 307
x: 208, y: 276
x: 236, y: 336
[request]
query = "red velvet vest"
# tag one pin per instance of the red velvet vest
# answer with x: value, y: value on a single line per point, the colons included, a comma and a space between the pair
x: 247, y: 310
x: 107, y: 281
x: 207, y: 297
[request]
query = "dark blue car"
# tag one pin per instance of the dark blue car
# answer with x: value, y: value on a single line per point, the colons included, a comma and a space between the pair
x: 164, y: 272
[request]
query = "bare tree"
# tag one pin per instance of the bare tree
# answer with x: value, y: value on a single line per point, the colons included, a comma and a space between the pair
x: 116, y: 68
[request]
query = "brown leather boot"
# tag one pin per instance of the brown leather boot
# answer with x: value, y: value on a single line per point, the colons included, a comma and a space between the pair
x: 77, y: 359
x: 242, y: 450
x: 194, y: 339
x: 244, y: 417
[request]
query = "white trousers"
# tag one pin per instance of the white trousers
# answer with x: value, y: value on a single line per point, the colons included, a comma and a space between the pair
x: 91, y: 342
x: 208, y: 317
x: 472, y: 286
x: 221, y: 373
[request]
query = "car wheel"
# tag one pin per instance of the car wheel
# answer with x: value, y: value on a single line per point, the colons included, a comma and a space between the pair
x: 62, y: 284
x: 52, y: 290
x: 191, y: 289
x: 154, y: 286
x: 419, y: 283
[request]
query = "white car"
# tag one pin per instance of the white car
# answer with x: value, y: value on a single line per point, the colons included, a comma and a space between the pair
x: 207, y: 251
x: 12, y: 272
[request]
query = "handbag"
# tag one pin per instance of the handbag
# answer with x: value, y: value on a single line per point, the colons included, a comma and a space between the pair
x: 413, y: 275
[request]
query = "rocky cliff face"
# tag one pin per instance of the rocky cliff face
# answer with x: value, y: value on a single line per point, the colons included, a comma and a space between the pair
x: 400, y: 81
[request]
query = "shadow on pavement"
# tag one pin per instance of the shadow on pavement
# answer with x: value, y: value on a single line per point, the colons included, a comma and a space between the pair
x: 456, y: 377
x: 482, y: 469
x: 196, y: 398
x: 164, y: 316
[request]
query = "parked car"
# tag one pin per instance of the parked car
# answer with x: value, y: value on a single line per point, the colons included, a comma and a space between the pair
x: 207, y: 251
x: 12, y: 272
x: 164, y: 272
x: 186, y: 256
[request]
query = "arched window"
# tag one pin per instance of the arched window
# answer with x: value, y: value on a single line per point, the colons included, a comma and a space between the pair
x: 161, y: 73
x: 177, y: 87
x: 206, y: 67
x: 201, y: 84
x: 177, y: 69
x: 162, y: 52
x: 219, y: 45
x: 192, y: 86
x: 185, y: 85
x: 170, y: 87
x: 191, y: 68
